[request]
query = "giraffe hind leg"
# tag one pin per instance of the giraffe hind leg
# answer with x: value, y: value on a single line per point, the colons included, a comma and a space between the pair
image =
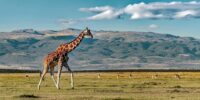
x: 52, y: 75
x: 72, y: 80
x: 71, y: 76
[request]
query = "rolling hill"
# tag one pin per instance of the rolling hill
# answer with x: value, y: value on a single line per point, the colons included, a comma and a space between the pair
x: 25, y: 49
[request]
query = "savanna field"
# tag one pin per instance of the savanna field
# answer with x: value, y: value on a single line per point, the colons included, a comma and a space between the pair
x: 108, y: 86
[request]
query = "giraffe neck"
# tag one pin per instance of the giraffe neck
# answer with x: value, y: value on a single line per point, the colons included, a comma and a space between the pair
x: 73, y: 44
x: 68, y: 47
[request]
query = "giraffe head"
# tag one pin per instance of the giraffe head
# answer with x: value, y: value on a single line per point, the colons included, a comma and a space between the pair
x: 87, y: 32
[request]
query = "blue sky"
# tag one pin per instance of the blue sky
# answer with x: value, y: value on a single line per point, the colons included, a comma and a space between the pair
x: 180, y: 17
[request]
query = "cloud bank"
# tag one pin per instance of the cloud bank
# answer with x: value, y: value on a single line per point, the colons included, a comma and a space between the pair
x: 154, y: 10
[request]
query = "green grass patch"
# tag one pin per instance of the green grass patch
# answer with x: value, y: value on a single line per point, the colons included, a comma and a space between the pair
x: 89, y: 87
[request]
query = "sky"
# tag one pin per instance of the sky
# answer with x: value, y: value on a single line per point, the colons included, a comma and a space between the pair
x: 178, y: 17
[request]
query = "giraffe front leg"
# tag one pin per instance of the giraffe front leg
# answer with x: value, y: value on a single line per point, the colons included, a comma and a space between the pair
x: 60, y: 64
x: 58, y: 77
x: 42, y: 76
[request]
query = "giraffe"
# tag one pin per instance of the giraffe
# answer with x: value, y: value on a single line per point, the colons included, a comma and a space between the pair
x: 60, y: 57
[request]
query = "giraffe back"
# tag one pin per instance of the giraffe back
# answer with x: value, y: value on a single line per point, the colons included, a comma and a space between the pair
x: 51, y: 58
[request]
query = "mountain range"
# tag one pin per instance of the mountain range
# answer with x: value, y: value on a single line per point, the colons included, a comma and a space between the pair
x: 26, y: 48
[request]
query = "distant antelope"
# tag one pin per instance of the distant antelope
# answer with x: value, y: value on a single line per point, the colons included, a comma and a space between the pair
x: 117, y: 76
x: 99, y: 76
x: 154, y: 76
x: 177, y: 76
x: 130, y: 75
x: 27, y: 75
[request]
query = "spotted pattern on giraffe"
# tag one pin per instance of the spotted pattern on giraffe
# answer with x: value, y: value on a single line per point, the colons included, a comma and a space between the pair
x: 60, y: 57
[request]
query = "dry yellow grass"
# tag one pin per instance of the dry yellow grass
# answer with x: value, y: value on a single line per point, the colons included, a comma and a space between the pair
x: 128, y: 85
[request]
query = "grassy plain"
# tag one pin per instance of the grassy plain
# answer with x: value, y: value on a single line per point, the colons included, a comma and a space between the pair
x: 140, y: 86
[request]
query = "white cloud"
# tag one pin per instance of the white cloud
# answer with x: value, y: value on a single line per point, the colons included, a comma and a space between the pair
x: 186, y: 13
x: 154, y: 10
x: 108, y: 14
x: 140, y: 11
x: 96, y: 9
x: 153, y: 26
x: 105, y: 12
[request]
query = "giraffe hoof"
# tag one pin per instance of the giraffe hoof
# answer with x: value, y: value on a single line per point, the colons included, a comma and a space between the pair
x: 58, y: 88
x: 38, y: 88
